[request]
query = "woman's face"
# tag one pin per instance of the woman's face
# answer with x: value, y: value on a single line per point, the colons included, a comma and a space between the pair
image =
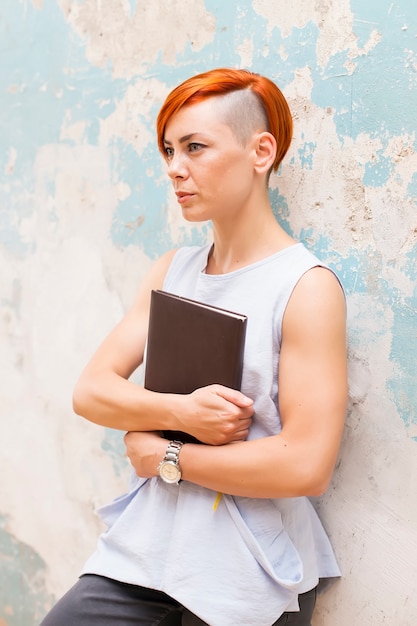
x: 211, y: 171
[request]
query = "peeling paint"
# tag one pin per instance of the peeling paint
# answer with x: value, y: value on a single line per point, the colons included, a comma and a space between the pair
x: 190, y: 24
x: 23, y: 594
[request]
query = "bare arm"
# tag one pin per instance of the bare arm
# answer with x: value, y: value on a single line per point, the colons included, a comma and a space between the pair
x: 104, y: 394
x: 312, y: 396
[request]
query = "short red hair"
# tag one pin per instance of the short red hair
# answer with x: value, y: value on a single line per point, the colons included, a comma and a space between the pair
x: 222, y: 81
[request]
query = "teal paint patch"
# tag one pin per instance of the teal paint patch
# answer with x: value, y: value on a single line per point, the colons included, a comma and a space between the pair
x: 24, y: 599
x: 402, y: 384
x: 236, y: 23
x: 378, y: 171
x: 380, y: 97
x: 410, y: 267
x: 332, y: 87
x: 43, y: 80
x: 412, y: 188
x: 299, y: 45
x: 139, y: 219
x: 114, y: 447
x: 35, y: 87
x: 198, y: 235
x: 280, y: 209
x: 403, y: 332
x: 352, y: 269
x: 132, y: 5
x: 306, y: 153
x: 233, y: 23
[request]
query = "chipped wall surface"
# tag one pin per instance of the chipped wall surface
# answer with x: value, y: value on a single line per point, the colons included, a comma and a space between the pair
x: 85, y: 207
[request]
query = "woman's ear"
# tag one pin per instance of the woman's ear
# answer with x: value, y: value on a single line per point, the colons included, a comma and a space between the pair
x: 266, y: 149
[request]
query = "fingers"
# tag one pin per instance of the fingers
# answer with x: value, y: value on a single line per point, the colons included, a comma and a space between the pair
x: 218, y: 415
x: 231, y: 429
x: 233, y: 395
x: 241, y: 435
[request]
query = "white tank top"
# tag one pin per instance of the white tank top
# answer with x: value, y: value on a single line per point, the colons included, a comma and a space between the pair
x: 245, y: 561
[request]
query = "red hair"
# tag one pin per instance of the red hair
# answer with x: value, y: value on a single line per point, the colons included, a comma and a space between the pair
x: 222, y: 81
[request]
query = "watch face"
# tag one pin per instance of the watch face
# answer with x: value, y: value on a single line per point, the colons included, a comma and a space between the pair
x: 169, y: 472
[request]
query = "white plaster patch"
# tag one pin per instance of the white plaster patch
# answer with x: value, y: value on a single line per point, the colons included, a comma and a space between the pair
x: 132, y: 120
x: 300, y: 88
x: 123, y: 191
x: 331, y: 196
x: 245, y: 51
x: 132, y: 43
x: 73, y: 132
x: 73, y: 184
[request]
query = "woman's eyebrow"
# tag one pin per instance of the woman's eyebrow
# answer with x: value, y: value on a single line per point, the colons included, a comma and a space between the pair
x: 182, y: 139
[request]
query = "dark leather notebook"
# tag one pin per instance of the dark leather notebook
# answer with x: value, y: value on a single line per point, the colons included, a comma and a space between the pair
x: 191, y: 345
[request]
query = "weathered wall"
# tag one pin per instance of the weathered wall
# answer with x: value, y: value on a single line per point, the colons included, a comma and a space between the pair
x: 85, y: 208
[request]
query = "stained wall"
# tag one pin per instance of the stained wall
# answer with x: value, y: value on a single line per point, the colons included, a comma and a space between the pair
x: 85, y: 207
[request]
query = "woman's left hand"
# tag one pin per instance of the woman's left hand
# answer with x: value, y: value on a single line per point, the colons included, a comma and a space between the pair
x: 145, y: 451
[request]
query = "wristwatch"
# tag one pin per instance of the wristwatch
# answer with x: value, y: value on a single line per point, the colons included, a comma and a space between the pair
x: 169, y: 467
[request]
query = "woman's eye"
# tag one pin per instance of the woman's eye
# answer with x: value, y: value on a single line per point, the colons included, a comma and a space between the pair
x: 194, y: 147
x: 169, y: 152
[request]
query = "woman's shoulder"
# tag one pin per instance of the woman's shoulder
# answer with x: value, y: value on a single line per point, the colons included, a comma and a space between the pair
x: 191, y: 254
x: 186, y: 263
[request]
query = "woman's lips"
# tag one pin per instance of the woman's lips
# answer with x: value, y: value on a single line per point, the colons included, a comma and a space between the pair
x: 183, y: 196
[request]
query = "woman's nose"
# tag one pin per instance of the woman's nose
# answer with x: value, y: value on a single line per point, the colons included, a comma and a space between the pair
x: 176, y: 167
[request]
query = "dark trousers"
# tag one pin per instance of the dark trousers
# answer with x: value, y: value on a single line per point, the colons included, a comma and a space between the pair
x: 99, y: 601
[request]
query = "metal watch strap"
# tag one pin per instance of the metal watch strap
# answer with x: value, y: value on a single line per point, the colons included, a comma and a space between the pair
x: 173, y: 451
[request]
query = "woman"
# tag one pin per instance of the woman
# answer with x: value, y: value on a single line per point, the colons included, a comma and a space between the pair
x: 181, y: 553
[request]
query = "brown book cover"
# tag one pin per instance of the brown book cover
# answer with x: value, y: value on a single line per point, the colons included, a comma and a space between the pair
x: 191, y: 345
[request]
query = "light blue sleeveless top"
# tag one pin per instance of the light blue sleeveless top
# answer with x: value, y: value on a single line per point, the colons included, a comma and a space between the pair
x: 245, y: 561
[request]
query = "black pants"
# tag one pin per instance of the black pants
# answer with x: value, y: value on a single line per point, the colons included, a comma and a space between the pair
x: 99, y: 601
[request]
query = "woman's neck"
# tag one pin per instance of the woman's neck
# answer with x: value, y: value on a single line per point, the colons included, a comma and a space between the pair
x: 245, y: 242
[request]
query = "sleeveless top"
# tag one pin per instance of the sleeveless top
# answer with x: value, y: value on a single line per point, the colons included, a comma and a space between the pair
x: 245, y: 561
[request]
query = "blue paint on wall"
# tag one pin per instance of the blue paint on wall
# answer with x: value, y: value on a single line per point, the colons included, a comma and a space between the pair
x: 403, y: 355
x: 132, y: 4
x: 410, y: 266
x: 306, y: 153
x: 280, y: 208
x: 43, y: 76
x: 378, y: 171
x: 24, y: 599
x: 376, y: 99
x: 33, y: 66
x: 412, y: 188
x: 114, y: 447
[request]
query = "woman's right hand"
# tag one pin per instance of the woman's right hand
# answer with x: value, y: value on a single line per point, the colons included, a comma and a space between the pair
x: 217, y: 415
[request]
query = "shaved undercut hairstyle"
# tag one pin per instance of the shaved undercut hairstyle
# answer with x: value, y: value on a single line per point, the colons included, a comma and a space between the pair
x: 250, y: 103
